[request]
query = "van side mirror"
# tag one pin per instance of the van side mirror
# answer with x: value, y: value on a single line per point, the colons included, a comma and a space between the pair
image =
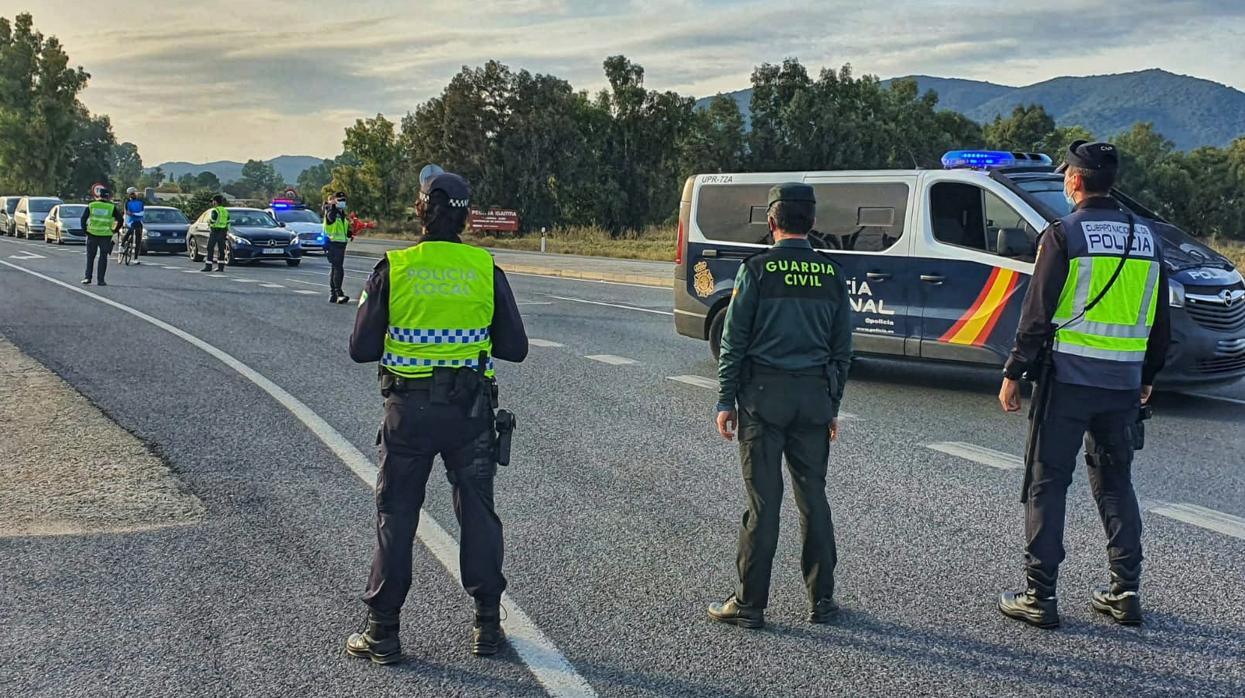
x: 1014, y: 242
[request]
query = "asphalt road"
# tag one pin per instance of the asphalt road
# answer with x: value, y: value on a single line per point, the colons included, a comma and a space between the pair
x: 621, y: 509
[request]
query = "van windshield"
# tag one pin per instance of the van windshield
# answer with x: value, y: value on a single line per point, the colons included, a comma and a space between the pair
x: 1181, y: 250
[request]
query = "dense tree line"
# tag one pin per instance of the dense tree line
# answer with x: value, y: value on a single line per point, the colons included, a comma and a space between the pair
x: 617, y: 159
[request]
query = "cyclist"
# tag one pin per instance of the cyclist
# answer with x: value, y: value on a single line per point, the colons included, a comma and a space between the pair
x: 134, y: 222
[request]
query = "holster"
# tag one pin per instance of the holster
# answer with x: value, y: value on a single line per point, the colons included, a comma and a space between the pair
x: 505, y: 425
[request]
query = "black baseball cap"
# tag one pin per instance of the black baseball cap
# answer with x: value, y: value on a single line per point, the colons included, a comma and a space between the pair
x: 455, y: 188
x: 1090, y: 156
x: 791, y: 191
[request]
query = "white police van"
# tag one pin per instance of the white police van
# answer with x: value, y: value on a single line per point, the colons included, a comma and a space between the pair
x: 937, y: 261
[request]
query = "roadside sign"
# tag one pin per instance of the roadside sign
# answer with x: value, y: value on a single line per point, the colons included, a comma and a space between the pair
x: 496, y: 220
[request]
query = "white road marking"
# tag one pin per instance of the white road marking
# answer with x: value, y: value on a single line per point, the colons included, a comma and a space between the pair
x: 698, y: 381
x: 543, y: 343
x: 192, y: 271
x: 979, y: 454
x: 614, y: 305
x: 611, y: 359
x: 1195, y: 515
x: 544, y: 659
x: 26, y: 255
x: 1220, y: 398
x: 271, y: 286
x: 306, y: 283
x: 170, y: 266
x: 534, y: 303
x: 301, y: 292
x: 246, y: 281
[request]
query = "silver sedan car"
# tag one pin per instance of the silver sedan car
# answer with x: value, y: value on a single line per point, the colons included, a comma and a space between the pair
x: 64, y: 224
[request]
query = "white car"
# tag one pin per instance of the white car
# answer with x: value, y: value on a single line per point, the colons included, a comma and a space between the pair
x: 64, y: 224
x: 302, y: 222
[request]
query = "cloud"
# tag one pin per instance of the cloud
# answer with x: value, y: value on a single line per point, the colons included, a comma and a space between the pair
x: 192, y: 80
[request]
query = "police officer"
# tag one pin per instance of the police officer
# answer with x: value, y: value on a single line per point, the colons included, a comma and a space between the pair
x: 337, y: 227
x: 786, y: 348
x: 1109, y: 316
x: 218, y: 234
x: 101, y: 219
x: 435, y: 315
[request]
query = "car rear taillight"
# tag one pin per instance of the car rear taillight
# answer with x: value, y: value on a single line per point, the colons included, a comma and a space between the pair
x: 678, y: 250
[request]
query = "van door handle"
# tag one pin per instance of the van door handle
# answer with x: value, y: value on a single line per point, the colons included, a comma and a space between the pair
x: 935, y: 279
x: 877, y: 276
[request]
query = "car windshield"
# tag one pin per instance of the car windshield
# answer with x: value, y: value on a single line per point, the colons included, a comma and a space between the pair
x: 10, y: 205
x: 164, y: 216
x: 72, y: 211
x: 43, y: 205
x: 1049, y: 192
x: 297, y: 215
x: 250, y: 219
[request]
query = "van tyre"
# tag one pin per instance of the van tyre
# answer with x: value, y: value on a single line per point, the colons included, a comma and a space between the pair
x: 715, y: 333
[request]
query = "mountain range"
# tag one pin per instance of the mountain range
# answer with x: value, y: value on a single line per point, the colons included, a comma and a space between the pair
x: 288, y: 166
x: 1190, y: 111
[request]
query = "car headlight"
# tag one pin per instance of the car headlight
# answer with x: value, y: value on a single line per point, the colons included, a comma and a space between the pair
x: 1175, y: 294
x: 238, y: 240
x: 152, y: 233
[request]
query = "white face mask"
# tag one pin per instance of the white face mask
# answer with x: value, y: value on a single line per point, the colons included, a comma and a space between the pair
x: 1067, y: 196
x: 341, y: 205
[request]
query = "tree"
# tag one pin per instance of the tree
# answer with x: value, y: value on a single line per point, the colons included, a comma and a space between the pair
x: 127, y: 165
x: 313, y: 180
x: 91, y: 155
x: 715, y: 140
x: 373, y: 184
x: 259, y: 180
x: 207, y: 180
x: 195, y: 204
x: 1025, y: 130
x: 1057, y: 141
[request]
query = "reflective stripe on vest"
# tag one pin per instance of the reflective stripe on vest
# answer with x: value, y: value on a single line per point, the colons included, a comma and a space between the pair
x: 101, y: 221
x: 222, y: 219
x: 1118, y: 327
x: 338, y: 229
x: 440, y: 308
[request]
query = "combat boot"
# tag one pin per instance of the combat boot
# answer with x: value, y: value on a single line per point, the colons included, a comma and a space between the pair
x: 379, y: 642
x: 486, y: 633
x: 207, y: 267
x: 1035, y: 606
x: 732, y: 612
x: 1120, y: 599
x: 824, y: 611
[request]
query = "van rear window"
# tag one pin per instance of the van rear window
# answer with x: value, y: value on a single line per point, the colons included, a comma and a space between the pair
x: 859, y: 216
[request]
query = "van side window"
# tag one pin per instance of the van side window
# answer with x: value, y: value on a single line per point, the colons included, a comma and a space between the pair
x: 860, y: 216
x: 733, y: 213
x: 968, y: 216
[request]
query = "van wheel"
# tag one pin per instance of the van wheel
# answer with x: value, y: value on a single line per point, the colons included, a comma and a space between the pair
x: 715, y: 333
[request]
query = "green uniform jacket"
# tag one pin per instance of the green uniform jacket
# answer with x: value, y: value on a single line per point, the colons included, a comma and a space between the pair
x: 790, y: 312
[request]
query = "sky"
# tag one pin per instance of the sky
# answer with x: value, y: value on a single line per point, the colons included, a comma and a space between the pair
x: 238, y: 79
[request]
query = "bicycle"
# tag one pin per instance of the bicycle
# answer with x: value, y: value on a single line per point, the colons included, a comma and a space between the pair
x: 127, y: 252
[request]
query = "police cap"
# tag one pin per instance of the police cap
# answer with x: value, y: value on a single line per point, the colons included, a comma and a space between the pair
x: 791, y: 191
x: 455, y: 188
x: 1090, y: 156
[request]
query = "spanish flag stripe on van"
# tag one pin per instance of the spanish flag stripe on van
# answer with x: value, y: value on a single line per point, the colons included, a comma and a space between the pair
x: 978, y: 321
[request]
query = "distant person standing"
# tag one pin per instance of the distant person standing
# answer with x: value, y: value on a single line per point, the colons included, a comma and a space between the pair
x: 337, y: 228
x: 786, y: 349
x: 218, y: 232
x: 101, y: 219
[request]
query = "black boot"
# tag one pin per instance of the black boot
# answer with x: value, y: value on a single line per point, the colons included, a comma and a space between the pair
x: 220, y: 266
x: 379, y: 642
x: 1034, y: 606
x: 486, y: 633
x: 207, y: 267
x: 343, y: 298
x: 1120, y: 599
x: 824, y: 611
x: 731, y: 612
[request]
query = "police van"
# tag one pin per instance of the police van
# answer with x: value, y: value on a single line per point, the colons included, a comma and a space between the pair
x: 937, y: 261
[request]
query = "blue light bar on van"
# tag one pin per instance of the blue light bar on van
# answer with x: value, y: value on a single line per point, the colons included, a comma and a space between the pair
x: 988, y: 159
x: 282, y: 204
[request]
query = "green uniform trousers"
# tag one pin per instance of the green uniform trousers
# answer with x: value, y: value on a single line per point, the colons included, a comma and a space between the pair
x: 784, y: 413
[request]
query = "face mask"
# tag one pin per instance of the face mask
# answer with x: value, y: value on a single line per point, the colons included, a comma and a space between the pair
x: 341, y: 205
x: 1068, y: 197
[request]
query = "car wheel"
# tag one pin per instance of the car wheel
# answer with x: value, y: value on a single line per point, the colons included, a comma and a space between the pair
x: 193, y: 249
x: 293, y: 262
x: 715, y: 333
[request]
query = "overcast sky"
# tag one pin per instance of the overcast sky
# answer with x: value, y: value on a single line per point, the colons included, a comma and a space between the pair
x: 234, y: 79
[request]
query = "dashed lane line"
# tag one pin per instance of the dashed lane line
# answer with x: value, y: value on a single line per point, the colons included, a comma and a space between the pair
x: 302, y: 292
x: 543, y: 343
x: 978, y: 454
x: 611, y: 359
x: 1195, y: 515
x: 306, y: 283
x: 271, y: 286
x: 246, y: 281
x: 536, y: 650
x: 613, y: 305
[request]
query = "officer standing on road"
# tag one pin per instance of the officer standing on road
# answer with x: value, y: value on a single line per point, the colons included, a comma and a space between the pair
x: 1107, y: 310
x: 337, y: 227
x: 786, y: 348
x: 435, y: 315
x: 218, y: 234
x: 101, y: 219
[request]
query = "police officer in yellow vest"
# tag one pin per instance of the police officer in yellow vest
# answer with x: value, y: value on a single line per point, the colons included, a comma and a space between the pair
x: 101, y: 219
x: 337, y: 228
x: 1105, y: 300
x: 218, y: 234
x: 435, y: 315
